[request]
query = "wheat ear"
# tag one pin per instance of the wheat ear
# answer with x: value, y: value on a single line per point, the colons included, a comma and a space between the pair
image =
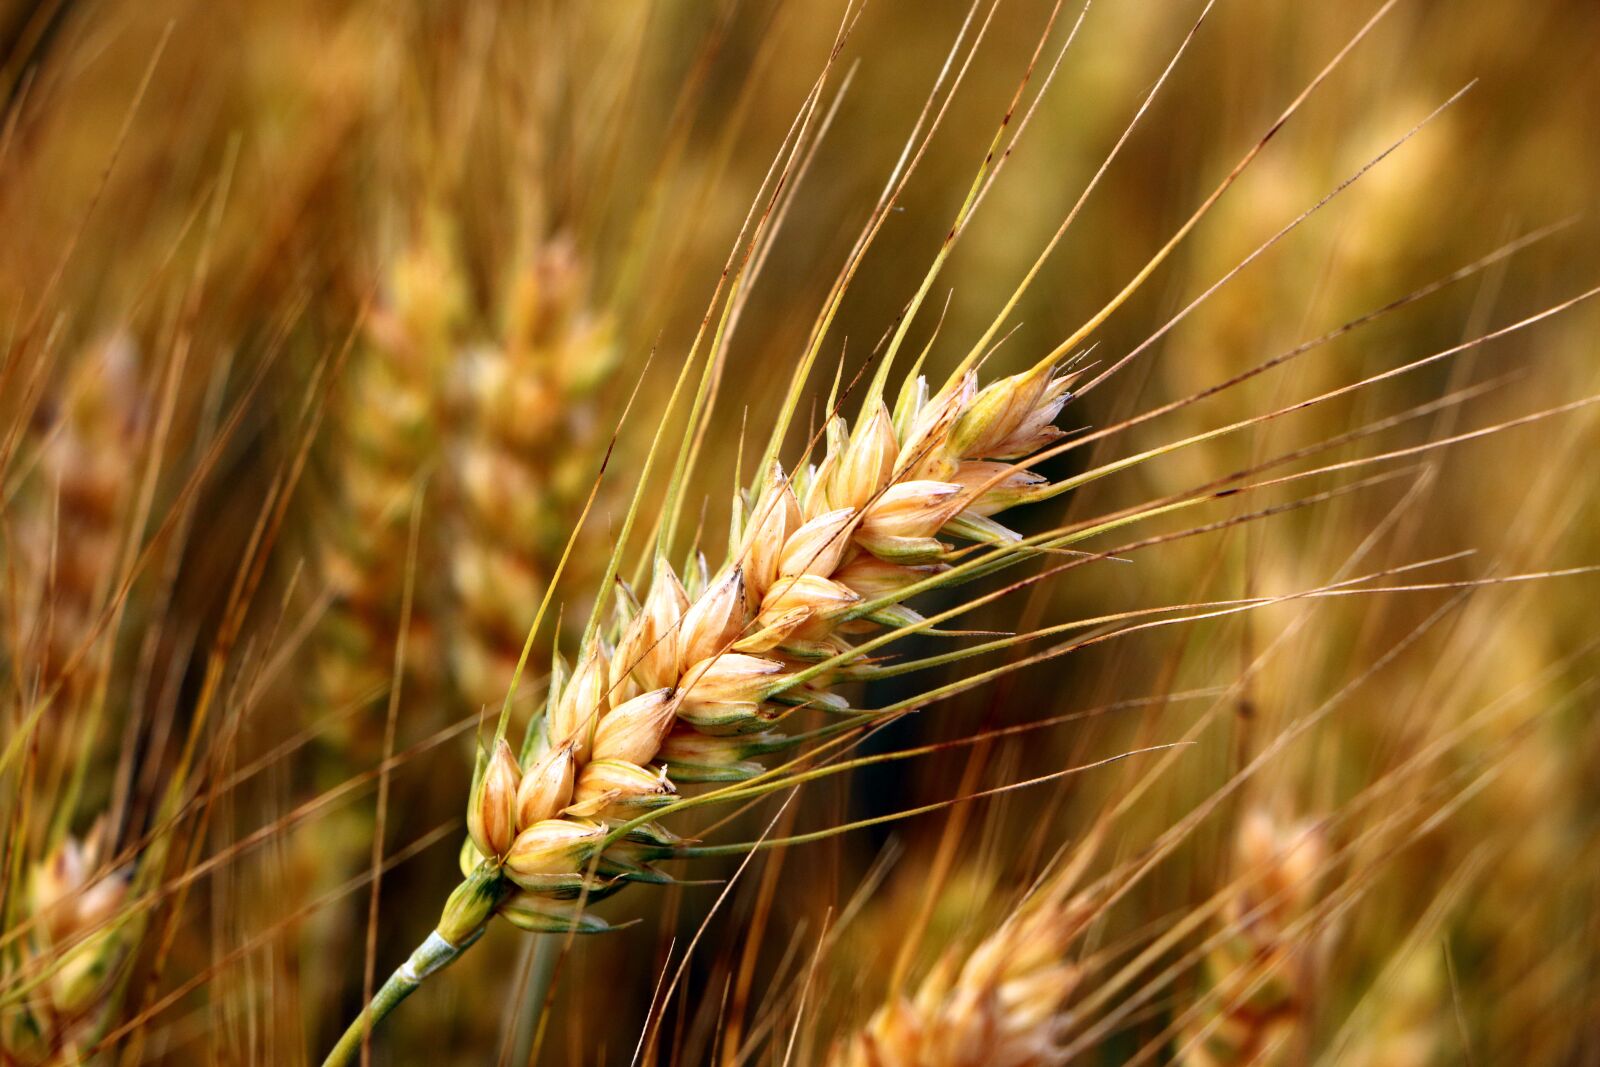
x: 689, y: 683
x: 1001, y: 1006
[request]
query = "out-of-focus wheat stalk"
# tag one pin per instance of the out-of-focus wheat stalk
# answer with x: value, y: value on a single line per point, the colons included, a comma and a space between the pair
x: 63, y: 966
x: 391, y: 438
x: 525, y: 442
x: 1002, y: 1004
x: 492, y: 434
x: 1256, y: 974
x: 77, y: 495
x: 71, y: 528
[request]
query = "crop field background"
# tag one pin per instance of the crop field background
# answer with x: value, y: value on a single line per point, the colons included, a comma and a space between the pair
x: 878, y: 534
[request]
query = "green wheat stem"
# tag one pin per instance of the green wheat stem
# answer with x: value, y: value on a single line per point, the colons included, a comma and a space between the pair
x: 430, y: 956
x: 466, y: 915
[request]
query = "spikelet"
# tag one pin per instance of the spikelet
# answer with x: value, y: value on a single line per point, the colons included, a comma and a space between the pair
x: 1255, y: 997
x: 524, y: 454
x: 73, y: 954
x: 1001, y: 1006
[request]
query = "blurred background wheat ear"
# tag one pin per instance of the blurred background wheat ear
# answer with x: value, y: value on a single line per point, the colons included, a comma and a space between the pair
x: 1021, y: 533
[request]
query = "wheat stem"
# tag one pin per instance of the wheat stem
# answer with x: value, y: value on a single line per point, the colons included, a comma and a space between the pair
x: 466, y: 916
x: 433, y: 954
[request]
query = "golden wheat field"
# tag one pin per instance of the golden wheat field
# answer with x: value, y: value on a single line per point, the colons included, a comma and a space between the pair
x: 867, y: 533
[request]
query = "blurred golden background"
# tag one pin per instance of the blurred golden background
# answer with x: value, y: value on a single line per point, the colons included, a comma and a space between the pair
x: 320, y: 319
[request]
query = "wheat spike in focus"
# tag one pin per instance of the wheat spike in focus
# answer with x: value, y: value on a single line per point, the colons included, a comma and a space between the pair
x: 689, y: 683
x: 693, y: 684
